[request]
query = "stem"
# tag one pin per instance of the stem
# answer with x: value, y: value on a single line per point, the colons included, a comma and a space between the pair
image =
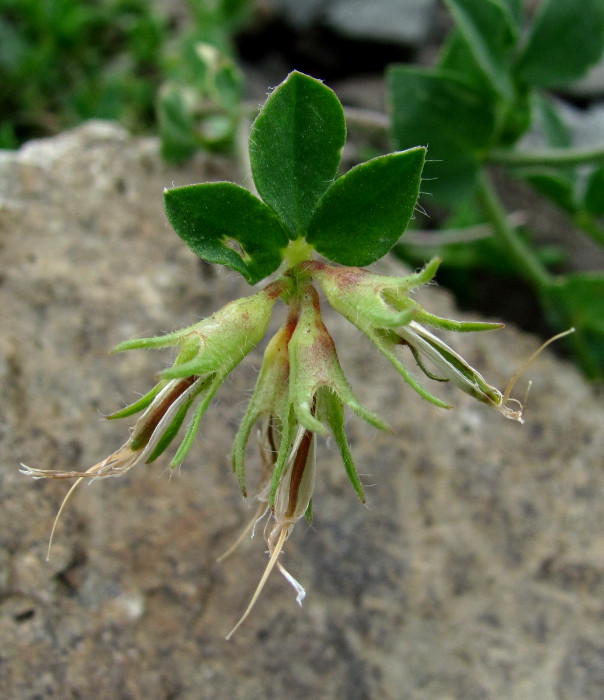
x: 549, y: 156
x: 514, y: 246
x: 457, y: 236
x: 297, y: 251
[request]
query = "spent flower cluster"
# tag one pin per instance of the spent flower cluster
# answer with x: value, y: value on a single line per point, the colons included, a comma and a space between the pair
x: 301, y: 391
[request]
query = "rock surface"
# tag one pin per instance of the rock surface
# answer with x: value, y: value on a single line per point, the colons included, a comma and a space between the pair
x: 403, y: 21
x: 476, y: 572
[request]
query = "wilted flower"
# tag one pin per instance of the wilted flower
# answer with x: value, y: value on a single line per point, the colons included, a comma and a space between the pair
x: 381, y: 308
x: 208, y: 351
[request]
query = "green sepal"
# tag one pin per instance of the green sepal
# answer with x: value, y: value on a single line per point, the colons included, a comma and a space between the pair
x: 295, y: 148
x: 368, y: 300
x: 386, y: 342
x: 364, y: 213
x: 217, y: 343
x: 308, y: 513
x: 331, y: 410
x: 208, y: 391
x: 239, y: 443
x: 448, y: 324
x: 359, y: 294
x: 314, y: 363
x: 288, y: 436
x: 158, y: 342
x: 226, y: 224
x: 270, y: 397
x: 171, y: 431
x: 139, y: 405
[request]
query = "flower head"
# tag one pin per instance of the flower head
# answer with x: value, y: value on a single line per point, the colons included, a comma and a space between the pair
x: 301, y: 391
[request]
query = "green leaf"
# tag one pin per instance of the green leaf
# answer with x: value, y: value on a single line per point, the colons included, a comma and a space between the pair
x: 577, y: 300
x: 295, y: 148
x: 489, y: 32
x: 549, y: 120
x: 566, y: 38
x: 582, y: 293
x: 224, y: 223
x: 556, y: 185
x: 455, y: 122
x: 364, y: 213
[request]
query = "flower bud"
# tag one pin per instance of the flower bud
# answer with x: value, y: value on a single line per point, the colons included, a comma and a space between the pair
x: 314, y: 364
x: 269, y: 402
x: 219, y: 342
x: 368, y: 300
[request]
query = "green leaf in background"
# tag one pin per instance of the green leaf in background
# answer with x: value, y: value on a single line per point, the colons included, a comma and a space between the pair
x: 594, y: 195
x: 224, y: 223
x: 578, y: 300
x: 490, y: 33
x: 364, y: 213
x: 295, y: 148
x: 440, y: 111
x: 515, y: 9
x: 176, y: 123
x: 457, y: 58
x: 549, y: 120
x: 557, y: 184
x: 554, y: 185
x: 566, y: 38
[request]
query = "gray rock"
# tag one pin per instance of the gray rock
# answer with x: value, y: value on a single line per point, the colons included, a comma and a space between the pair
x: 475, y: 572
x: 400, y: 21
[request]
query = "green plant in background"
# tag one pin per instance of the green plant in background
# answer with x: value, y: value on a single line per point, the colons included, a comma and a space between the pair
x: 65, y: 61
x: 199, y: 105
x: 316, y: 231
x: 491, y: 85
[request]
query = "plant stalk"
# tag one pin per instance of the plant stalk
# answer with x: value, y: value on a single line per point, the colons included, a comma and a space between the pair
x: 549, y: 156
x: 514, y: 246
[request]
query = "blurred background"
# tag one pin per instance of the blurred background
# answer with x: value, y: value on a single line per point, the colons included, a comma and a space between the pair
x: 65, y: 61
x: 192, y: 71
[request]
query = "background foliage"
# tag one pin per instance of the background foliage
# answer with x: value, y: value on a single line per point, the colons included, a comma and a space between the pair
x: 491, y: 87
x: 492, y: 98
x: 64, y: 61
